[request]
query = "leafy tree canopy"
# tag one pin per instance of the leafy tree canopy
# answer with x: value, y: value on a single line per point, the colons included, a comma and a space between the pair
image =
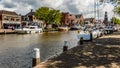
x: 115, y: 20
x: 49, y: 15
x: 117, y: 10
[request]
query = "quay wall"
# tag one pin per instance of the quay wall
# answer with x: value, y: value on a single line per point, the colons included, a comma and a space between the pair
x: 99, y: 53
x: 6, y: 31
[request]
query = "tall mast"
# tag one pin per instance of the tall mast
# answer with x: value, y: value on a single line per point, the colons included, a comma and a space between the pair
x: 98, y: 9
x: 94, y: 8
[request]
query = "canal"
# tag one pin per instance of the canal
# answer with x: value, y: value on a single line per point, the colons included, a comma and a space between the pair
x: 16, y: 49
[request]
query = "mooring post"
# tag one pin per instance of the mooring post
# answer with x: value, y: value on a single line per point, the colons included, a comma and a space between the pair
x: 81, y: 40
x: 36, y: 57
x: 5, y: 31
x: 65, y: 47
x: 91, y: 37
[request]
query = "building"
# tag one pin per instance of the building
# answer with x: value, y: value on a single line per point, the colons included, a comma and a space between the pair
x: 89, y: 20
x: 64, y: 19
x: 106, y: 19
x: 71, y: 19
x: 80, y: 18
x: 9, y: 20
x: 30, y: 19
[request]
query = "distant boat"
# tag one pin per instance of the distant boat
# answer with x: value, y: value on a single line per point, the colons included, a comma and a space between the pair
x: 75, y: 27
x: 63, y: 28
x: 29, y: 29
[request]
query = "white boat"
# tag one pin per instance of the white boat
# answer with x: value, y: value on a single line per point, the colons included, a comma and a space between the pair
x: 75, y: 27
x: 87, y: 36
x: 63, y: 28
x: 84, y: 34
x: 29, y: 29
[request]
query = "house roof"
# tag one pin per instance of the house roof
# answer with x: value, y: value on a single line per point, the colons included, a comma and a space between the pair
x: 79, y: 15
x: 30, y: 14
x: 89, y: 18
x: 7, y: 12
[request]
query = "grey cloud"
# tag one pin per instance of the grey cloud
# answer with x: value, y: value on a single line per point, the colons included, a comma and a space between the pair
x: 72, y: 6
x: 9, y: 5
x: 73, y: 9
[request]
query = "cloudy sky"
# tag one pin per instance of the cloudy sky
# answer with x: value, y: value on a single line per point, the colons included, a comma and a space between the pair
x: 71, y: 6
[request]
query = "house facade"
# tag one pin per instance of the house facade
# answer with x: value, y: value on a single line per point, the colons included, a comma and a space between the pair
x: 30, y: 19
x: 64, y: 19
x: 71, y: 19
x: 9, y: 20
x: 80, y: 19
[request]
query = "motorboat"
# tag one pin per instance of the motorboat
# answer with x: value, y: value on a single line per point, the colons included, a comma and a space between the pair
x: 76, y: 27
x: 29, y: 29
x: 84, y: 34
x: 63, y: 28
x: 109, y: 29
x: 88, y: 35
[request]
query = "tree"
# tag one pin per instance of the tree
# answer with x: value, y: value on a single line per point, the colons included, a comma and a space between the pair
x: 117, y: 10
x: 49, y: 15
x: 115, y: 20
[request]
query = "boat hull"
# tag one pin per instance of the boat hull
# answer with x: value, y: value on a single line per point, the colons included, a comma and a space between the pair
x: 63, y: 28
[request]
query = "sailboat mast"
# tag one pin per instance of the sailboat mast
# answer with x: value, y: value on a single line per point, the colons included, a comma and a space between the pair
x: 94, y: 8
x: 98, y: 9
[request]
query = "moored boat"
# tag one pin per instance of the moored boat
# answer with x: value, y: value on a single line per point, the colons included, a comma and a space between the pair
x: 63, y: 28
x: 28, y: 30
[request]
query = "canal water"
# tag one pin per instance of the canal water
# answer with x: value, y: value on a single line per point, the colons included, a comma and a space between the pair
x: 16, y: 49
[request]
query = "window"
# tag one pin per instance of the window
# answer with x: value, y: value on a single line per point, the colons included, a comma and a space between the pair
x: 12, y: 18
x: 17, y: 19
x: 5, y: 17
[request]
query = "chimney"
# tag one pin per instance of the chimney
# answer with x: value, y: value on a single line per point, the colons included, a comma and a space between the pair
x: 31, y: 10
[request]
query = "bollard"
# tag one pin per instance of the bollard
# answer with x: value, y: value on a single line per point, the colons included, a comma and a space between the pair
x: 91, y: 37
x: 65, y: 47
x: 36, y: 57
x: 5, y: 31
x: 81, y: 40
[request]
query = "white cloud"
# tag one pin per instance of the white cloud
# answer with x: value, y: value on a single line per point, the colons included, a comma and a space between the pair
x: 72, y: 6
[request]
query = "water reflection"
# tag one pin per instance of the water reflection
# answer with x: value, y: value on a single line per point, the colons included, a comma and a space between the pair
x: 16, y: 50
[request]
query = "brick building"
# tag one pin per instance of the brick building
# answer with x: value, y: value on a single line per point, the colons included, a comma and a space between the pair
x: 9, y: 20
x: 80, y: 18
x: 71, y: 19
x: 64, y: 19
